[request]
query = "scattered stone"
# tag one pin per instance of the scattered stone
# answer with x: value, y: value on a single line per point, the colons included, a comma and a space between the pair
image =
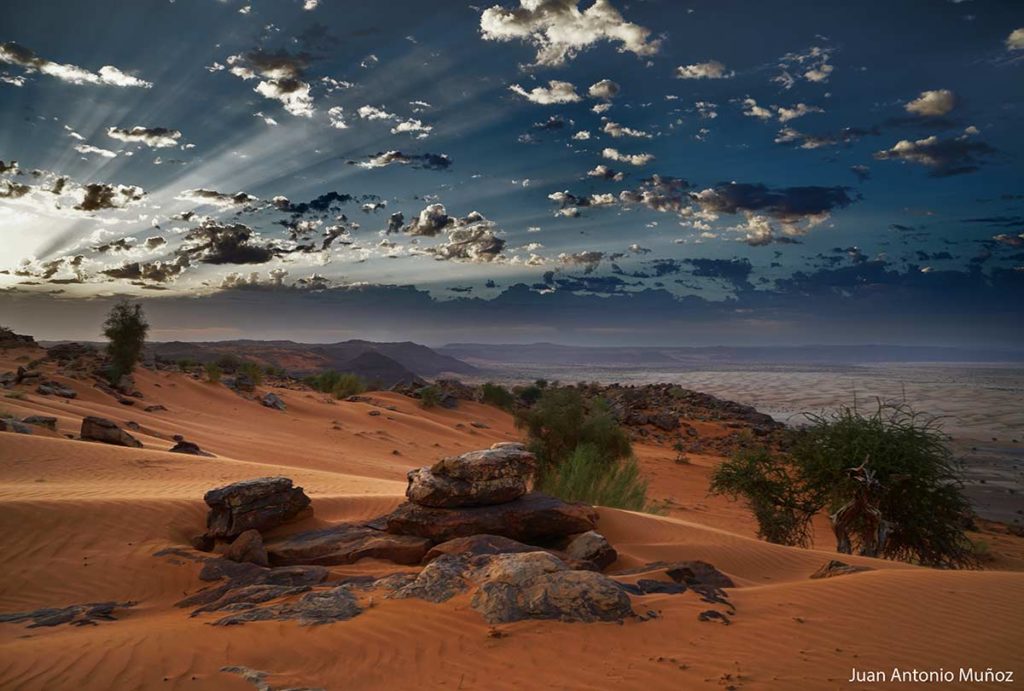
x: 698, y: 573
x: 530, y: 517
x: 259, y: 504
x: 272, y: 400
x: 312, y: 609
x: 241, y: 383
x: 155, y: 408
x: 347, y: 543
x: 248, y: 547
x: 489, y: 476
x: 593, y: 547
x: 188, y: 447
x: 479, y: 425
x: 249, y: 596
x: 439, y: 581
x: 714, y: 615
x: 105, y: 431
x: 9, y: 424
x: 242, y: 575
x: 837, y: 568
x: 52, y: 388
x: 649, y: 586
x: 374, y: 413
x: 46, y: 421
x: 89, y: 614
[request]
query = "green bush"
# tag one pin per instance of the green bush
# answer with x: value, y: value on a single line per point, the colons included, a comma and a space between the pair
x: 529, y: 395
x: 212, y: 372
x: 587, y: 476
x: 253, y: 370
x: 498, y: 396
x: 919, y: 490
x: 430, y: 397
x: 229, y: 363
x: 338, y: 384
x: 126, y: 328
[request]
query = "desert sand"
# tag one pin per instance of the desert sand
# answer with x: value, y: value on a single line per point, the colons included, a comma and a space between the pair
x: 82, y: 521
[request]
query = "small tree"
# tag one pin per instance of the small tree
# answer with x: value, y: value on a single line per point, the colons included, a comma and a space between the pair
x: 126, y: 328
x: 497, y: 395
x: 212, y: 372
x: 430, y: 397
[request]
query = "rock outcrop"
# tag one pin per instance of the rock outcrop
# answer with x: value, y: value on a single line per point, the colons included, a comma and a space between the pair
x: 346, y: 544
x: 272, y: 400
x: 181, y: 445
x: 248, y: 548
x: 46, y: 421
x: 593, y: 547
x: 534, y: 516
x: 106, y: 431
x: 258, y: 504
x: 477, y: 478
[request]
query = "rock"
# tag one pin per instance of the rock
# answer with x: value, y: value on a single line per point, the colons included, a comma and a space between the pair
x: 698, y: 573
x: 315, y: 608
x: 250, y: 596
x: 346, y: 544
x: 46, y: 421
x: 837, y: 568
x: 530, y: 517
x: 9, y: 424
x: 593, y: 547
x: 477, y: 478
x: 537, y: 585
x: 52, y: 388
x: 272, y: 400
x: 105, y: 431
x: 88, y: 614
x: 154, y: 408
x: 189, y: 447
x: 242, y: 383
x: 23, y: 374
x: 66, y: 352
x: 248, y: 547
x: 664, y: 421
x: 476, y: 545
x: 9, y: 339
x: 258, y: 504
x: 650, y: 586
x: 714, y: 615
x: 244, y: 574
x: 439, y: 581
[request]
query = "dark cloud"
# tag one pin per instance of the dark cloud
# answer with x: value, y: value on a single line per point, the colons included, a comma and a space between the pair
x: 426, y: 161
x: 784, y: 204
x: 215, y: 243
x: 734, y: 271
x: 945, y: 157
x: 659, y: 193
x: 99, y: 196
x: 153, y: 137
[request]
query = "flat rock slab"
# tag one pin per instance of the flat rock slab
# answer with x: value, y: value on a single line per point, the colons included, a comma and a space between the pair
x: 259, y: 504
x: 347, y: 544
x: 531, y: 517
x: 312, y: 609
x: 476, y: 545
x: 106, y: 431
x: 88, y: 614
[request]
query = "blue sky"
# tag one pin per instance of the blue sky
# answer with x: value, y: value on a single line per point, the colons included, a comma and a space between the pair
x: 706, y: 172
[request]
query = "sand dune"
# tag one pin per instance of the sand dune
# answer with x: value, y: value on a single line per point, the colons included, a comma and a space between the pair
x: 83, y: 521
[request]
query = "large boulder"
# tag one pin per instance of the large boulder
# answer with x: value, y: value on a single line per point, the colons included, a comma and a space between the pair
x: 593, y: 547
x: 9, y: 424
x: 46, y: 421
x: 248, y: 548
x: 259, y: 504
x: 346, y: 543
x: 106, y: 431
x: 534, y: 516
x: 477, y: 478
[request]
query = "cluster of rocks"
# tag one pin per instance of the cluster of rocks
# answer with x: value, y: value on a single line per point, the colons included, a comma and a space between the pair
x: 9, y: 339
x: 25, y: 425
x: 471, y: 522
x: 88, y: 614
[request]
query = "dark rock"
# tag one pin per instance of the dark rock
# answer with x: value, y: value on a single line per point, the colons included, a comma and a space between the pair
x: 46, y: 421
x: 244, y: 575
x: 837, y: 568
x: 272, y: 400
x: 664, y: 421
x: 52, y: 388
x: 477, y: 478
x: 188, y: 447
x: 649, y: 586
x: 314, y: 608
x: 9, y: 339
x: 476, y: 545
x: 203, y: 543
x: 248, y: 547
x: 532, y: 516
x: 9, y: 424
x: 66, y: 352
x: 593, y: 547
x: 439, y: 581
x: 88, y: 614
x: 103, y: 430
x: 259, y: 504
x: 540, y: 586
x: 714, y: 615
x: 154, y: 408
x: 250, y: 595
x: 242, y: 383
x: 347, y: 544
x: 698, y: 573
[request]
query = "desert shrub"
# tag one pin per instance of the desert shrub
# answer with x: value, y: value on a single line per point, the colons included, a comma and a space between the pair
x: 430, y: 397
x: 498, y: 396
x: 919, y: 488
x: 125, y: 328
x: 586, y: 475
x: 185, y: 364
x: 253, y: 370
x: 529, y: 395
x: 212, y: 372
x: 338, y: 384
x: 229, y: 363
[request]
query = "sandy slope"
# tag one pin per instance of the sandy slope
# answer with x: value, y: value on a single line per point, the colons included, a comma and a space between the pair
x: 82, y: 521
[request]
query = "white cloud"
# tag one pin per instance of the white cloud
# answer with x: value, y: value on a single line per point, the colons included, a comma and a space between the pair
x: 15, y: 54
x: 1015, y: 41
x: 374, y: 113
x: 412, y: 126
x: 932, y: 103
x: 154, y: 137
x: 704, y: 70
x: 606, y: 89
x: 89, y: 149
x: 559, y: 30
x: 632, y: 159
x: 616, y: 130
x: 336, y: 115
x: 556, y: 92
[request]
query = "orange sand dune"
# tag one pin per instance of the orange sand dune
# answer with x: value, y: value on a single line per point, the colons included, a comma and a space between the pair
x: 82, y: 521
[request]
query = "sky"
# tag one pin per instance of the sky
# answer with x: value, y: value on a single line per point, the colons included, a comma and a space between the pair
x: 597, y: 172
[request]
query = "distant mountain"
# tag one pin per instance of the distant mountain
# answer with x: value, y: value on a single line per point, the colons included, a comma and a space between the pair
x: 485, y: 355
x: 384, y: 362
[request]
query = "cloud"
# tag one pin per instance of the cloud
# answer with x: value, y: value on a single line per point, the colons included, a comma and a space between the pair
x: 336, y: 116
x: 374, y: 113
x: 98, y: 195
x: 559, y: 30
x: 108, y: 75
x: 616, y: 130
x: 282, y: 78
x: 605, y: 173
x: 153, y: 137
x: 945, y: 157
x: 605, y: 89
x: 385, y: 158
x: 218, y: 199
x: 90, y: 149
x: 156, y: 271
x: 476, y: 242
x: 932, y: 103
x: 555, y: 93
x: 588, y: 260
x: 216, y: 243
x: 783, y: 113
x: 704, y: 70
x: 1015, y: 41
x: 412, y: 126
x: 811, y: 65
x: 632, y: 159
